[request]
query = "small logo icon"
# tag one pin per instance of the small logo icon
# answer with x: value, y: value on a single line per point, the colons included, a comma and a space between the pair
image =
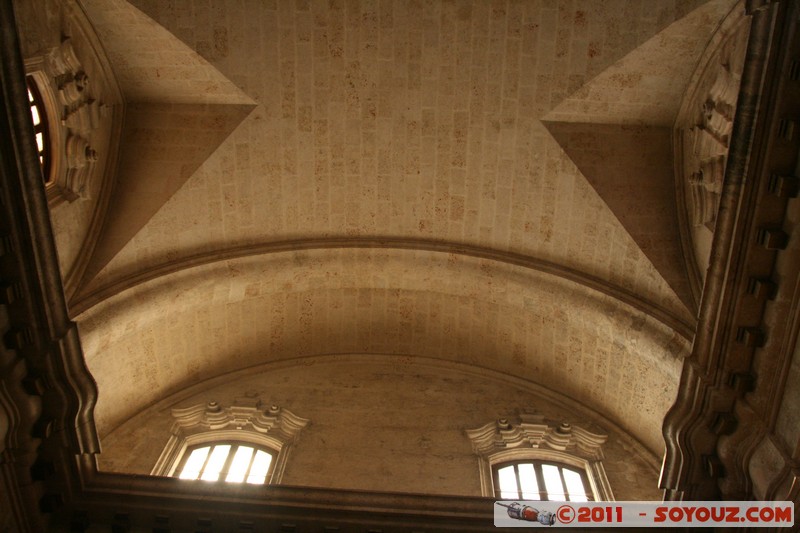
x: 565, y: 514
x: 524, y: 512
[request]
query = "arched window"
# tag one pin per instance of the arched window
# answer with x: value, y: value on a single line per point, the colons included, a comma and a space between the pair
x: 233, y: 462
x: 540, y: 459
x: 39, y: 118
x: 69, y: 121
x: 540, y: 480
x: 240, y: 443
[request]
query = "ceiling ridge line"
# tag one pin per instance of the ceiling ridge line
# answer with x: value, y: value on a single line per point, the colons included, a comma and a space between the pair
x: 86, y: 301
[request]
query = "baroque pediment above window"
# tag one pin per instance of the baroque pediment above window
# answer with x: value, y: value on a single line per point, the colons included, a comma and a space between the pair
x: 535, y: 431
x: 271, y: 420
x: 534, y: 437
x: 246, y: 420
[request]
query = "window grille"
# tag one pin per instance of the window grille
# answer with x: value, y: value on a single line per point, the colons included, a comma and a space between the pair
x: 233, y: 462
x: 39, y: 119
x: 538, y: 480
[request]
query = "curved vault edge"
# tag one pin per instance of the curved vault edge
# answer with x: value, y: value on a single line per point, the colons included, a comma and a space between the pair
x: 627, y: 332
x: 581, y: 411
x: 84, y: 302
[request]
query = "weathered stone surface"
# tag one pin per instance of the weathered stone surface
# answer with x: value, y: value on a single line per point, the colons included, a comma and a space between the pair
x: 233, y: 314
x: 383, y: 423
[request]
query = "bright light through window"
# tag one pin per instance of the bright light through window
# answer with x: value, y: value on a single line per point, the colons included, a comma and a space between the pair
x: 552, y: 481
x: 527, y: 482
x: 240, y: 464
x: 34, y: 112
x: 215, y: 463
x: 508, y: 482
x: 194, y: 465
x: 258, y: 472
x: 541, y: 481
x: 234, y: 463
x: 39, y: 126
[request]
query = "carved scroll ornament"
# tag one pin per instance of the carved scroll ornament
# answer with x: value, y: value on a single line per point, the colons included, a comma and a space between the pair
x: 247, y: 421
x: 534, y: 431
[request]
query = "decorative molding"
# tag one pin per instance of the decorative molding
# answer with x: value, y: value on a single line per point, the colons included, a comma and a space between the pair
x: 85, y: 301
x: 733, y: 384
x: 47, y: 395
x: 247, y: 421
x: 578, y: 410
x: 702, y: 137
x: 74, y: 114
x: 151, y: 503
x: 535, y: 437
x: 273, y: 420
x: 534, y: 431
x: 112, y: 111
x: 101, y: 499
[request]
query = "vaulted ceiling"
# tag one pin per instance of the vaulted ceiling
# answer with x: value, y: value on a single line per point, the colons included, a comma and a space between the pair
x: 482, y: 182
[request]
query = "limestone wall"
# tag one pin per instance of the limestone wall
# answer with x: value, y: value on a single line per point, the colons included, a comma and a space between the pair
x: 384, y: 423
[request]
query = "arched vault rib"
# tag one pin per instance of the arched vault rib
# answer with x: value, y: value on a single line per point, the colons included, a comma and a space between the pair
x: 682, y: 326
x: 201, y: 322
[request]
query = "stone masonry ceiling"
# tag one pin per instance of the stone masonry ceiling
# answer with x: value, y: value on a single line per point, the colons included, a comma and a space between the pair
x: 487, y: 182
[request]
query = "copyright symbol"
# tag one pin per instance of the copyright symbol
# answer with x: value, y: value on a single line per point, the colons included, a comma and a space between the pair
x: 565, y: 514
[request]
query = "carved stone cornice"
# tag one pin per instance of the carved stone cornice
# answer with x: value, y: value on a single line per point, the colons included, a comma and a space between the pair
x: 75, y: 118
x: 94, y: 126
x: 118, y: 500
x: 701, y: 140
x: 733, y: 382
x: 47, y: 395
x: 535, y: 437
x: 247, y: 420
x: 275, y: 421
x: 534, y: 431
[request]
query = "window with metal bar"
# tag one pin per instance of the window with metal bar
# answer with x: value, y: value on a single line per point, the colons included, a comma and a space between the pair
x: 233, y: 462
x: 537, y: 480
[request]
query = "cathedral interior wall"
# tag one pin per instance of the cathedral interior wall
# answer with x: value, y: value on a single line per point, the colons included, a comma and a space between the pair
x: 383, y: 423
